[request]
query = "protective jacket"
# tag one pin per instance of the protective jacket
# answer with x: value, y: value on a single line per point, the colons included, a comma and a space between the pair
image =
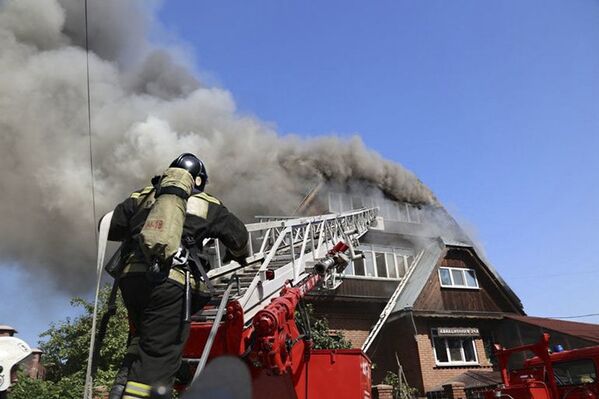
x: 206, y: 217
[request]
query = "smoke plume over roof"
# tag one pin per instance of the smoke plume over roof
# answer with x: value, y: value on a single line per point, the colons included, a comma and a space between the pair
x: 147, y: 107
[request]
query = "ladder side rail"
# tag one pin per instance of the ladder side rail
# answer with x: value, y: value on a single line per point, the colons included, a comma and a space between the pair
x: 331, y: 241
x: 250, y: 244
x: 390, y: 306
x: 265, y: 240
x: 304, y: 220
x: 293, y: 265
x: 312, y: 244
x: 272, y: 239
x: 298, y: 235
x: 302, y: 252
x: 263, y: 267
x: 320, y: 236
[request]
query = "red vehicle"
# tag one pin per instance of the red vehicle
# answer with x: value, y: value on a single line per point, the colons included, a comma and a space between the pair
x: 568, y: 374
x: 279, y: 354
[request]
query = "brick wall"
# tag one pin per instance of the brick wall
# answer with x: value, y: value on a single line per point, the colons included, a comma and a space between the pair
x: 397, y: 338
x: 433, y: 375
x: 354, y: 320
x: 415, y: 351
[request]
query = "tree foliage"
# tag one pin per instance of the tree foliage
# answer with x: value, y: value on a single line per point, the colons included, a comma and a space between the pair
x: 400, y: 391
x: 66, y: 349
x: 322, y: 336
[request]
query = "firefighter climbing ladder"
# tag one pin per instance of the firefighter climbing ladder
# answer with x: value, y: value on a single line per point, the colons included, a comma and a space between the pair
x: 281, y: 250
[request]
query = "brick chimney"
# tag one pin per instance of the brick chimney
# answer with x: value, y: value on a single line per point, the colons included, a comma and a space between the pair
x: 36, y: 369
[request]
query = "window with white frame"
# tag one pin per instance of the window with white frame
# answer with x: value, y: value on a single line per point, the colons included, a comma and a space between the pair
x: 380, y: 262
x: 454, y: 350
x: 457, y: 277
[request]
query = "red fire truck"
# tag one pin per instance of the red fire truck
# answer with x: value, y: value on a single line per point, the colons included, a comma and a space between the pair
x: 570, y: 374
x: 279, y: 353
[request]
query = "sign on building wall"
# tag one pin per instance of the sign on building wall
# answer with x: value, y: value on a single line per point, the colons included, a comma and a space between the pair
x: 458, y: 332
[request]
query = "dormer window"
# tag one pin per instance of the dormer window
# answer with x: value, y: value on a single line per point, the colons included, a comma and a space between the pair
x: 455, y: 277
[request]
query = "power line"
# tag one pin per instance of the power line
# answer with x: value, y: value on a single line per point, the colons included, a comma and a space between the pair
x: 576, y: 317
x: 89, y: 126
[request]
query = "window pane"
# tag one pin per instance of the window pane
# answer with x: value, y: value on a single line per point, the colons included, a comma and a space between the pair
x: 391, y: 210
x: 334, y: 202
x: 382, y: 208
x: 458, y: 277
x: 357, y: 202
x: 440, y: 350
x: 349, y: 270
x: 400, y: 265
x: 359, y: 267
x: 345, y: 203
x: 455, y: 349
x: 445, y: 278
x: 471, y: 278
x: 381, y: 265
x: 369, y: 263
x: 469, y: 350
x: 414, y: 214
x: 391, y: 265
x: 575, y: 372
x: 401, y: 210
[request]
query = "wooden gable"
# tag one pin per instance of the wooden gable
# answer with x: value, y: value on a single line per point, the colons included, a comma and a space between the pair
x: 488, y: 297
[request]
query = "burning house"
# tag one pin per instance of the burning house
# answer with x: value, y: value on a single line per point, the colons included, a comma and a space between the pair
x: 449, y: 304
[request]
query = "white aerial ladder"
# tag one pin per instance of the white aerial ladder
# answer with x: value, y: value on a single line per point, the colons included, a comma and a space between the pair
x: 283, y: 250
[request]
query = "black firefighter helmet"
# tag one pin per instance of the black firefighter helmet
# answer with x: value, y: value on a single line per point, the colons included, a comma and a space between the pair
x: 194, y: 166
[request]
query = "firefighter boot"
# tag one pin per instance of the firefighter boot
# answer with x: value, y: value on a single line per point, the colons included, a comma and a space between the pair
x: 118, y: 387
x: 117, y: 391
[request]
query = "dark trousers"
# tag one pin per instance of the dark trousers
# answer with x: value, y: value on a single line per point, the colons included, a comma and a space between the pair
x: 159, y: 332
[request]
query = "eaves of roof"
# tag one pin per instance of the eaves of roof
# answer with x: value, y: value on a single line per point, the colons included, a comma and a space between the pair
x: 587, y: 331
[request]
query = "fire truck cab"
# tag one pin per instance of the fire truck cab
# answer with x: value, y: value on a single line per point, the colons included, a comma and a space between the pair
x: 568, y: 374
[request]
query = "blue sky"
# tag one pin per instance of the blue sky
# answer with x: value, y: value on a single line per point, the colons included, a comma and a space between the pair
x: 494, y: 105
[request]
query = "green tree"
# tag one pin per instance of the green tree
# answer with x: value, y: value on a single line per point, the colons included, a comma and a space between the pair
x: 400, y: 391
x: 66, y: 349
x: 322, y: 336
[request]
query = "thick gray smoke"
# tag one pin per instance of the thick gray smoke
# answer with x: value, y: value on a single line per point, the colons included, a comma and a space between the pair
x: 147, y: 107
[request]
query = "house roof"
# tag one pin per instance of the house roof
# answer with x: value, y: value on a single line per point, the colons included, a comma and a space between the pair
x: 432, y: 251
x: 586, y: 331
